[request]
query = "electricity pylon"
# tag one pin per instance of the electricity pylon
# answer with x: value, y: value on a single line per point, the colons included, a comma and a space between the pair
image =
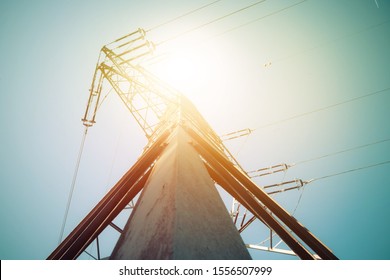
x: 179, y: 214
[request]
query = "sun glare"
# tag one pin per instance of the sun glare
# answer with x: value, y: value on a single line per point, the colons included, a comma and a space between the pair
x: 190, y: 71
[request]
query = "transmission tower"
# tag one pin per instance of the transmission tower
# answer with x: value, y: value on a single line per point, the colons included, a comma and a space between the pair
x: 179, y: 213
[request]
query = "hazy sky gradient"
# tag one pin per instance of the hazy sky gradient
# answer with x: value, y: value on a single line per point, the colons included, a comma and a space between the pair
x: 321, y: 53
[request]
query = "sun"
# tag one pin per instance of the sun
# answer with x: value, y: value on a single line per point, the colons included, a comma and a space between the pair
x: 189, y: 70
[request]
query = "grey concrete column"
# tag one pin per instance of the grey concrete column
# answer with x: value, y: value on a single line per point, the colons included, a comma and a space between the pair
x: 180, y: 214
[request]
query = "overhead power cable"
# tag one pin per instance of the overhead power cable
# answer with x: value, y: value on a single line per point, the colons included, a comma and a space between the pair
x: 333, y: 175
x: 163, y: 56
x: 351, y: 170
x: 336, y: 174
x: 299, y: 201
x: 210, y: 22
x: 256, y: 19
x: 73, y: 184
x: 284, y: 167
x: 182, y: 16
x: 142, y: 31
x: 351, y: 34
x: 324, y: 108
x: 342, y: 151
x: 89, y: 254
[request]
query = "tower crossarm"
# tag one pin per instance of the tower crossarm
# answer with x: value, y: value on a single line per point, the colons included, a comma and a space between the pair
x: 146, y: 97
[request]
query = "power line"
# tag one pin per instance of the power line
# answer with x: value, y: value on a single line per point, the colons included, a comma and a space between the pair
x: 242, y: 145
x: 142, y: 31
x: 210, y: 22
x: 164, y: 55
x: 351, y: 170
x: 116, y: 149
x: 73, y: 184
x: 351, y: 34
x: 181, y: 16
x: 104, y: 98
x: 342, y: 151
x: 298, y: 202
x: 324, y: 108
x: 256, y: 19
x: 333, y: 175
x: 284, y: 167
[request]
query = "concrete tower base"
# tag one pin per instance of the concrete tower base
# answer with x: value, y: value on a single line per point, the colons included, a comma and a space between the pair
x: 180, y: 214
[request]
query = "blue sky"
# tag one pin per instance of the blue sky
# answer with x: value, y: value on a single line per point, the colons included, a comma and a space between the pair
x: 321, y: 53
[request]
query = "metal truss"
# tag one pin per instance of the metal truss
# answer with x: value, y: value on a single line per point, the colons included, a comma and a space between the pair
x: 158, y: 109
x: 146, y: 97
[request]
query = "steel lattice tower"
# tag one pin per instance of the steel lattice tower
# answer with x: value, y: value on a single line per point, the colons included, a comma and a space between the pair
x: 179, y: 214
